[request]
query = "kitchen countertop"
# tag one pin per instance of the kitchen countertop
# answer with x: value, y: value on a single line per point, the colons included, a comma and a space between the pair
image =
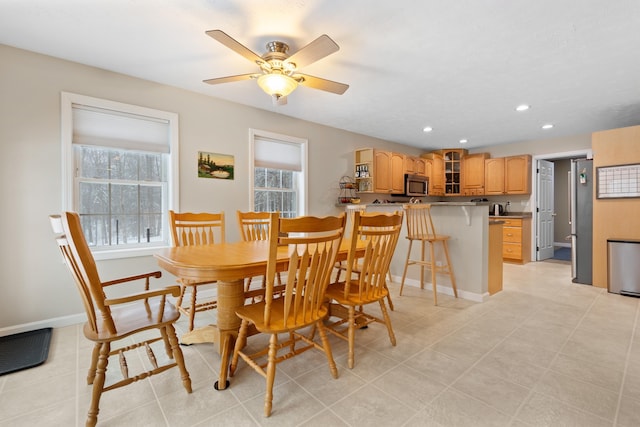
x: 512, y: 215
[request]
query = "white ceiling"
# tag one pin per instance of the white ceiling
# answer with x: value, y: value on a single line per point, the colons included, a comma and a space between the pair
x: 459, y: 66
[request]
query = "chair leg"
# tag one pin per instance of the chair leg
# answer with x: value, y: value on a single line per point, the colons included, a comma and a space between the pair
x: 351, y: 336
x: 406, y: 265
x: 240, y: 343
x: 450, y: 269
x: 98, y: 384
x: 271, y: 374
x: 91, y: 375
x: 192, y: 308
x: 387, y: 321
x: 170, y: 332
x: 389, y: 298
x: 422, y: 253
x: 167, y: 343
x: 433, y: 274
x: 327, y: 349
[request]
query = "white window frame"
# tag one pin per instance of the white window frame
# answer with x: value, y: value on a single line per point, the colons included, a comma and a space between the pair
x: 68, y: 166
x: 303, y: 202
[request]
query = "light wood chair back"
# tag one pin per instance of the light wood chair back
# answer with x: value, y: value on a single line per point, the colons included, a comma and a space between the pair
x: 419, y: 222
x: 365, y: 280
x: 254, y: 225
x: 189, y: 229
x: 193, y: 229
x: 420, y: 228
x: 311, y: 245
x: 111, y: 319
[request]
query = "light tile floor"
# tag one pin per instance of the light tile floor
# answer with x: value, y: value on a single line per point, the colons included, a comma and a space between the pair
x: 543, y: 352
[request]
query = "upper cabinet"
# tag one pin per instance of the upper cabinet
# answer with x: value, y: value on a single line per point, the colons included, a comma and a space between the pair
x: 379, y: 171
x: 414, y: 165
x: 473, y: 174
x: 508, y: 175
x: 434, y: 170
x: 389, y: 172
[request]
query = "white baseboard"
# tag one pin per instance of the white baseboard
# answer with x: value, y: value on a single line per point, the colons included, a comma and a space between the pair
x: 471, y: 296
x: 57, y: 322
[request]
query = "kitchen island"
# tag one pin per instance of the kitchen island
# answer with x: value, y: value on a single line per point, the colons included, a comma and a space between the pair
x: 467, y: 224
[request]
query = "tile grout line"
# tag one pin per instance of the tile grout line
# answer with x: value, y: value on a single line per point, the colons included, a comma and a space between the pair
x: 548, y: 369
x: 626, y: 364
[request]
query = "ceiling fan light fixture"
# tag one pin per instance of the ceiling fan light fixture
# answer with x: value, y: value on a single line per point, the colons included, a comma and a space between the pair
x: 278, y: 85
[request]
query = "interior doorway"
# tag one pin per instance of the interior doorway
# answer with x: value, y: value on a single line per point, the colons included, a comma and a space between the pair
x: 551, y: 227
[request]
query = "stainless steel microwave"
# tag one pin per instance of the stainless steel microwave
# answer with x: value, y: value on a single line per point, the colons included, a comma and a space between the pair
x: 416, y: 185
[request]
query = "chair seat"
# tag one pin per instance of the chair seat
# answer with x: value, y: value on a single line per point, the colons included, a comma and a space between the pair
x: 254, y: 313
x: 128, y: 320
x: 335, y: 291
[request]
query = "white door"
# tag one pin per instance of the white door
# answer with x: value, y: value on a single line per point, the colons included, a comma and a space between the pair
x: 546, y: 212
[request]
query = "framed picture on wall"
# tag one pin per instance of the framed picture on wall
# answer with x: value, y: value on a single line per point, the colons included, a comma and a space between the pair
x: 215, y: 165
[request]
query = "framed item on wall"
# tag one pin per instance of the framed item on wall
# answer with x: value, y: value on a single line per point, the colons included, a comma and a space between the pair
x: 618, y: 181
x: 215, y: 165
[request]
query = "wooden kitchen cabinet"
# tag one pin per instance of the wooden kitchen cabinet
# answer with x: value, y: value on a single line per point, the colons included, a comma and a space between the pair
x: 453, y: 171
x: 473, y: 174
x: 516, y: 239
x: 507, y: 175
x: 414, y: 165
x: 434, y: 170
x: 364, y: 170
x: 517, y: 174
x: 389, y: 172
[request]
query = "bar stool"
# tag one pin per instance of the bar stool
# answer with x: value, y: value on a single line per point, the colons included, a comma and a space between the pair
x: 420, y: 228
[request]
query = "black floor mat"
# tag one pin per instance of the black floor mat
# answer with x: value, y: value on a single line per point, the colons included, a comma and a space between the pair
x: 24, y: 350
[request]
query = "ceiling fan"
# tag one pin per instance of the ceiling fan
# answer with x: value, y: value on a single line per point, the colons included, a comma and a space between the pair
x: 279, y: 75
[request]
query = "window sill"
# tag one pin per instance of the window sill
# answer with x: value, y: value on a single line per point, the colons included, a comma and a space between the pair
x: 126, y: 253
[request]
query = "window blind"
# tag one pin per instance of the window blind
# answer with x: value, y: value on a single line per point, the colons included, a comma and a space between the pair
x: 269, y: 153
x: 109, y: 128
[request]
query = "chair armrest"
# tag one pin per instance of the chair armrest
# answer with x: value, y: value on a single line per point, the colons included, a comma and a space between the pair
x: 156, y: 274
x: 169, y: 290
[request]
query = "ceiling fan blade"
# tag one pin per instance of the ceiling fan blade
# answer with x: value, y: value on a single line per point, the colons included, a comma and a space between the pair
x: 322, y: 84
x: 235, y: 45
x: 230, y: 79
x: 317, y: 49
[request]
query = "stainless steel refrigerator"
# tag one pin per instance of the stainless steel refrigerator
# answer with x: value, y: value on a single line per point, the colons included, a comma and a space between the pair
x: 581, y: 219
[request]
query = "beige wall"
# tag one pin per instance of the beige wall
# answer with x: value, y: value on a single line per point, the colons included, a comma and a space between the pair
x: 614, y: 218
x: 35, y: 283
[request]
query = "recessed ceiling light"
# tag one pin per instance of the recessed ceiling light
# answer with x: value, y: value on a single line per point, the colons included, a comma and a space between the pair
x: 547, y: 126
x: 463, y: 141
x: 427, y: 129
x: 523, y: 107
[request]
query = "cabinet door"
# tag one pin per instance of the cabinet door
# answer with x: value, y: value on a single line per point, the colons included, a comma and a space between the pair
x: 420, y: 166
x: 409, y: 164
x: 382, y: 168
x: 494, y: 176
x: 473, y: 172
x: 397, y: 173
x: 437, y: 173
x: 517, y: 171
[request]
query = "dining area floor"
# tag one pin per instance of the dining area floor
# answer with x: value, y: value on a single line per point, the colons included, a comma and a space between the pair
x: 543, y: 352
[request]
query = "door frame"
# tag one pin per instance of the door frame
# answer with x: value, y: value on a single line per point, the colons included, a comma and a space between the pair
x: 533, y: 200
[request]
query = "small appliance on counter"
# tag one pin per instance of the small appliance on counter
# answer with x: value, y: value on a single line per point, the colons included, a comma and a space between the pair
x: 497, y: 210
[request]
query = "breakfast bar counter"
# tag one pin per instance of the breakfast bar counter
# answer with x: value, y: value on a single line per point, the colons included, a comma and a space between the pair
x: 467, y: 224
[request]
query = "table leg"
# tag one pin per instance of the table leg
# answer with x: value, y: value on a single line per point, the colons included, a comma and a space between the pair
x: 230, y: 297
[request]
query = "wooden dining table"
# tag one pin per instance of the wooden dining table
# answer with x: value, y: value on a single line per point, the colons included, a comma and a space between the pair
x: 228, y: 264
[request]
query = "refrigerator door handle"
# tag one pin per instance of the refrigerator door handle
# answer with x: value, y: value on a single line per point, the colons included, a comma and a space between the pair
x: 572, y: 198
x: 574, y: 267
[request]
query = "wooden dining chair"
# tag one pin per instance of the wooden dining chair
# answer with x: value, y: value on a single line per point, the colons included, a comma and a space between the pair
x: 420, y: 229
x: 192, y: 229
x: 310, y: 246
x: 342, y: 265
x: 255, y: 226
x: 118, y: 324
x: 379, y: 232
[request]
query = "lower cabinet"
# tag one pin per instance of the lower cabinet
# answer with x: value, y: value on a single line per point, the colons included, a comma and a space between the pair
x: 516, y: 239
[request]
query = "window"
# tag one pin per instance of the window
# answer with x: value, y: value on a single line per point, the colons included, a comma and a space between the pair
x: 120, y: 163
x: 279, y: 174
